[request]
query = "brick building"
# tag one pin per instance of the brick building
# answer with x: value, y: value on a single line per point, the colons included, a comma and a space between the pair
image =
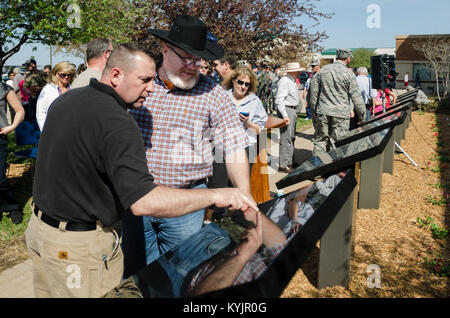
x: 409, y: 59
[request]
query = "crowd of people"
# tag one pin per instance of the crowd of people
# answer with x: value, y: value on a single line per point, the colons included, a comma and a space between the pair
x: 133, y: 152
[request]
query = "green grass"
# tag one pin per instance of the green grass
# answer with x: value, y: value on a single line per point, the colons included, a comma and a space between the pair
x: 8, y: 230
x: 302, y: 122
x: 21, y: 187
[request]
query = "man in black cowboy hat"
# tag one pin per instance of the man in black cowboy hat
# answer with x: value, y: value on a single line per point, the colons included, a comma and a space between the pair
x: 187, y: 115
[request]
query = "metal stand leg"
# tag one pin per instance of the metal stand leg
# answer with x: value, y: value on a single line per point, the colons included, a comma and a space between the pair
x: 336, y: 248
x: 407, y: 156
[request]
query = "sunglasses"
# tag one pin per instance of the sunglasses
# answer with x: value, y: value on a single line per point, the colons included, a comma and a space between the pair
x: 65, y: 75
x: 246, y: 84
x: 187, y: 60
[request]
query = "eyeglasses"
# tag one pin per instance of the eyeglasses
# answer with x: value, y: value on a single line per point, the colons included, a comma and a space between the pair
x: 64, y: 75
x: 187, y: 60
x: 203, y: 67
x: 246, y: 84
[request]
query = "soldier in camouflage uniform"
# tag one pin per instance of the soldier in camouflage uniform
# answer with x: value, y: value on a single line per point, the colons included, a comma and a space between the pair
x: 33, y: 83
x: 333, y: 90
x: 264, y: 88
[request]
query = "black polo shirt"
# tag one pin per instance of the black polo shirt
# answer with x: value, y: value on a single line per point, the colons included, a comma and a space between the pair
x: 91, y: 162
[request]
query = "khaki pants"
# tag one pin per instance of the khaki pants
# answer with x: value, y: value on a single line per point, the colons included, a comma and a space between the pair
x: 73, y: 264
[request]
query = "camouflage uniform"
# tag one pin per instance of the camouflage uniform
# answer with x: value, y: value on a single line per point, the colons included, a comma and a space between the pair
x: 332, y: 91
x: 264, y: 91
x: 35, y: 82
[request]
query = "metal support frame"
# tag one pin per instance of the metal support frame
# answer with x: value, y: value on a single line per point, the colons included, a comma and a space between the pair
x: 336, y: 247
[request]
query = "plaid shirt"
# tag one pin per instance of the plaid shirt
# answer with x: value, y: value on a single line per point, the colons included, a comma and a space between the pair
x: 181, y: 127
x: 255, y: 266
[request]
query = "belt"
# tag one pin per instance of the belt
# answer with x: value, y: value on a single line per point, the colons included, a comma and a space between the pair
x: 70, y: 226
x: 195, y: 183
x: 291, y: 106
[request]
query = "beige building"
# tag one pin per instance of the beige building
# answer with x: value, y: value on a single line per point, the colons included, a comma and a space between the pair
x: 409, y: 59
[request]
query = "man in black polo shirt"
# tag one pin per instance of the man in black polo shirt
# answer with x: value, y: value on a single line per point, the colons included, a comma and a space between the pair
x: 90, y: 168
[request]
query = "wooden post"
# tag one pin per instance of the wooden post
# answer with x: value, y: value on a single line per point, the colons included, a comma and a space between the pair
x: 259, y: 177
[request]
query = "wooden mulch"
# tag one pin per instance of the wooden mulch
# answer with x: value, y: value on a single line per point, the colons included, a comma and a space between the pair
x: 390, y: 236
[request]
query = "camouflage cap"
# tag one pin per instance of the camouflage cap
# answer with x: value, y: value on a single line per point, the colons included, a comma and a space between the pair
x: 344, y: 53
x: 38, y: 79
x: 315, y: 62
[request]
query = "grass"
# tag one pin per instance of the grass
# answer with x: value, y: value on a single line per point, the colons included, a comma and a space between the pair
x: 302, y: 122
x: 12, y: 243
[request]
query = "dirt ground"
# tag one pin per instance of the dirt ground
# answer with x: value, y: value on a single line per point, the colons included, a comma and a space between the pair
x: 390, y: 236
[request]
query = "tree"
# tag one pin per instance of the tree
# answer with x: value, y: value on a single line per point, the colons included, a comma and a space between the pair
x: 436, y: 49
x: 26, y: 21
x: 361, y: 58
x: 254, y: 30
x: 66, y: 23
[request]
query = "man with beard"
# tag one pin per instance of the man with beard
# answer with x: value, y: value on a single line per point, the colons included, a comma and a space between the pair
x: 90, y: 168
x: 181, y: 122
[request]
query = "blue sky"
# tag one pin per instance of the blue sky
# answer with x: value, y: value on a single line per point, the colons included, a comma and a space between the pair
x: 347, y: 28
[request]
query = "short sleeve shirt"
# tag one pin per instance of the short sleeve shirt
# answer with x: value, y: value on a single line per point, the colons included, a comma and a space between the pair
x: 90, y: 163
x: 182, y: 127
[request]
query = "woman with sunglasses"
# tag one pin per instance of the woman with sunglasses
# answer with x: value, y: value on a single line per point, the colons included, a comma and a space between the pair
x: 242, y: 85
x: 59, y: 80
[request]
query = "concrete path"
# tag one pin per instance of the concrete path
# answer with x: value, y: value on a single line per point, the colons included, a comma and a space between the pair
x: 16, y: 282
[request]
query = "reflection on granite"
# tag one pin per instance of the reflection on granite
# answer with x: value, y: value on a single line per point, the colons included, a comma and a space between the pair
x: 372, y: 127
x: 280, y: 272
x: 389, y: 112
x: 339, y: 158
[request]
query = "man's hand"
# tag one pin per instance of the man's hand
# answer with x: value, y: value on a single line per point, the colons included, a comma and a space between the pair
x: 288, y: 122
x: 233, y: 199
x: 251, y: 239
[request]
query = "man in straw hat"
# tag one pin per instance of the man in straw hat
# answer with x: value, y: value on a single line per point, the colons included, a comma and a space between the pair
x: 181, y: 122
x: 333, y: 90
x: 286, y: 103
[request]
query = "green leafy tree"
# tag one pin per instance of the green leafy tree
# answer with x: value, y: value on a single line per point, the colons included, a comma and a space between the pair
x: 255, y: 30
x: 361, y: 57
x: 66, y: 23
x: 28, y: 21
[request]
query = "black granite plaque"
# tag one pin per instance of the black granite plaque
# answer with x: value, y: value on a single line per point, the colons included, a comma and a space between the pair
x: 389, y: 112
x: 373, y: 127
x: 338, y: 159
x: 275, y: 279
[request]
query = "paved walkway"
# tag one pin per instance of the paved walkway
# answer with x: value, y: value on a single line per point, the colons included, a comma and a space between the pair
x: 16, y: 282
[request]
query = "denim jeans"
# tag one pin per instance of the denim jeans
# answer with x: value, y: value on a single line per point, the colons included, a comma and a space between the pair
x: 146, y: 238
x: 7, y: 201
x: 367, y: 113
x: 308, y: 113
x: 166, y: 277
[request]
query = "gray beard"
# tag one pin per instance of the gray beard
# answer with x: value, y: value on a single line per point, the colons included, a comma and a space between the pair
x: 180, y: 83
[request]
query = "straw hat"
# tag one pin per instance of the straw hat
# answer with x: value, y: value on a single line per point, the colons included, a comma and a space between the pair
x: 294, y: 67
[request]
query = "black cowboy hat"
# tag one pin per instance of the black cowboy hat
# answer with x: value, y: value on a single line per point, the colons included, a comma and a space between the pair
x: 190, y: 34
